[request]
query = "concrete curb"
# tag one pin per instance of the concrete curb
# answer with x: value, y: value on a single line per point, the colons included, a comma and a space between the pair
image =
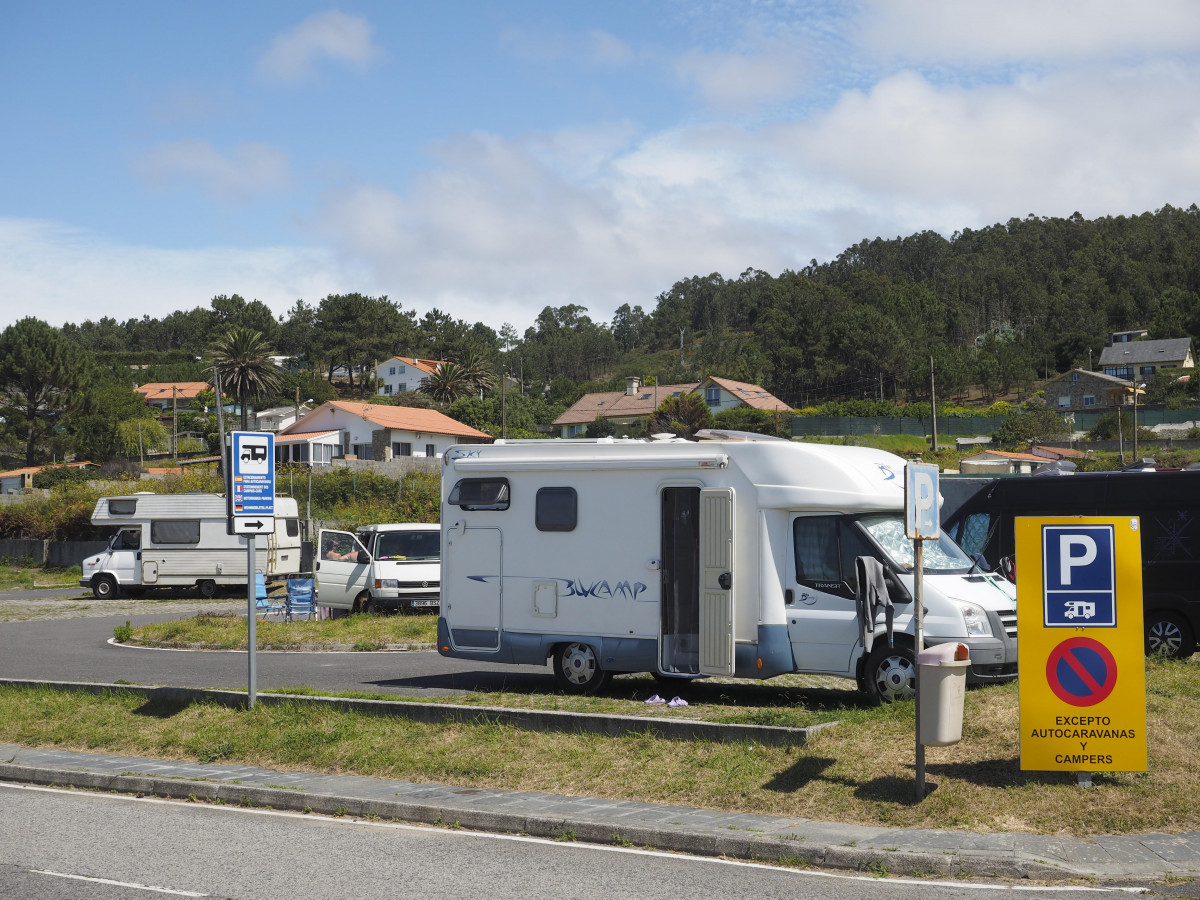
x: 667, y: 837
x: 440, y: 713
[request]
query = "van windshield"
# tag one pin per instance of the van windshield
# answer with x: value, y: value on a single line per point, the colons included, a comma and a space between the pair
x: 942, y: 556
x: 414, y: 546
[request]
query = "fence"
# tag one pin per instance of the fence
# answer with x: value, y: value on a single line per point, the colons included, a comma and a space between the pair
x: 974, y: 426
x: 62, y: 554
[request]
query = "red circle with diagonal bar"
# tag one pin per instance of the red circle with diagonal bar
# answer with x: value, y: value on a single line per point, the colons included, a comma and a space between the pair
x: 1081, y: 671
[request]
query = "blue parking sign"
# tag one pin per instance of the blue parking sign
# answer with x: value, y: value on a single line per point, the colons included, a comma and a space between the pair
x: 1078, y: 576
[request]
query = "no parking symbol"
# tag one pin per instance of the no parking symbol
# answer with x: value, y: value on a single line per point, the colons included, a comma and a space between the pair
x: 1081, y: 671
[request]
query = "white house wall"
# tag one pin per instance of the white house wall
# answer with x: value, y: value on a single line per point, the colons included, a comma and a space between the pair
x: 398, y: 376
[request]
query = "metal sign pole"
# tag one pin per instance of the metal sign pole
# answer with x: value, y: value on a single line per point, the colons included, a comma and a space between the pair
x: 252, y: 620
x: 918, y: 599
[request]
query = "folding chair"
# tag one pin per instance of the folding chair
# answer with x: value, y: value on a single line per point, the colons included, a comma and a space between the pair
x: 301, y: 597
x: 265, y: 605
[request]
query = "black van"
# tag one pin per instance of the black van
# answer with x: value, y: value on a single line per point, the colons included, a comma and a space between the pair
x: 1168, y: 505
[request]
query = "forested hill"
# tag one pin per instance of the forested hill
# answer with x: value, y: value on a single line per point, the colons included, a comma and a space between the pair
x: 997, y: 306
x: 1000, y: 306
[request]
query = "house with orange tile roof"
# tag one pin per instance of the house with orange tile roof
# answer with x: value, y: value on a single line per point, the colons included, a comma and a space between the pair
x: 633, y: 406
x: 376, y: 432
x: 404, y: 373
x: 165, y: 394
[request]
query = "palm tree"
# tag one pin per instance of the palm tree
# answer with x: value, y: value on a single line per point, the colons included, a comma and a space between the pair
x: 477, y: 371
x: 448, y: 383
x: 242, y: 358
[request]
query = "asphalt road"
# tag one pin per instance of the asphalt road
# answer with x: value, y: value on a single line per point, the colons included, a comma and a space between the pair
x: 69, y: 845
x: 77, y: 649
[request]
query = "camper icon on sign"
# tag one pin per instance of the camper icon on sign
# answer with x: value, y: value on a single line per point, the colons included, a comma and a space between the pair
x: 1080, y: 609
x: 254, y: 452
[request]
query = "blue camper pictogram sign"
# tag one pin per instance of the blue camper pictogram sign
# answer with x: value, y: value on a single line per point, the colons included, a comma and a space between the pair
x: 1078, y: 576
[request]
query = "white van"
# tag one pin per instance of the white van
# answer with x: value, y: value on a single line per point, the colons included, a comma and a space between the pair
x: 181, y: 540
x: 727, y: 556
x: 394, y: 566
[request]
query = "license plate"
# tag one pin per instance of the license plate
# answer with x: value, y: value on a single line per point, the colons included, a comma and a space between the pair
x: 424, y: 603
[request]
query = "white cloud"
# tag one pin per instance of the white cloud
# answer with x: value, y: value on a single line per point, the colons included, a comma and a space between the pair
x: 332, y: 35
x: 608, y: 50
x: 550, y: 47
x: 767, y: 73
x: 999, y: 31
x: 249, y: 169
x: 62, y: 274
x: 498, y: 234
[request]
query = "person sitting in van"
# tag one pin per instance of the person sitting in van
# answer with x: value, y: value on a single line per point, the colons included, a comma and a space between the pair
x: 342, y: 554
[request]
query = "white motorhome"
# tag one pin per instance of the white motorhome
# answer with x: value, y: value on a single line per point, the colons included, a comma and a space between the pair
x: 388, y: 566
x: 731, y: 556
x: 180, y: 540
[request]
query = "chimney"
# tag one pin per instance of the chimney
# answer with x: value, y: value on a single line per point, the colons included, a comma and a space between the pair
x: 631, y: 385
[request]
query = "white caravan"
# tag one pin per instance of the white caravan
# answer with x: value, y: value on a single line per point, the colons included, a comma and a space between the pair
x: 180, y: 540
x: 733, y: 556
x: 389, y: 566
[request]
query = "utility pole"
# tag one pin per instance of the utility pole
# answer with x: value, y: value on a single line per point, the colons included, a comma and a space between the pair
x: 175, y: 422
x: 933, y: 405
x: 681, y: 348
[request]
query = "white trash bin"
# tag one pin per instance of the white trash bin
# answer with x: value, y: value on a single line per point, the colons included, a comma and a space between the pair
x: 942, y: 682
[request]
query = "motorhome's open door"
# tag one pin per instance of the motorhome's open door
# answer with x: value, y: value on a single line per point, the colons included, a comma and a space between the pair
x: 716, y: 581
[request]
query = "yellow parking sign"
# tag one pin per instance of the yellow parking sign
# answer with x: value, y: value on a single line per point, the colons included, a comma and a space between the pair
x: 1080, y: 647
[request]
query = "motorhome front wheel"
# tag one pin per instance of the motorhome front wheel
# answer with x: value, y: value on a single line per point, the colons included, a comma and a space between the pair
x: 104, y: 587
x: 577, y: 669
x: 891, y: 673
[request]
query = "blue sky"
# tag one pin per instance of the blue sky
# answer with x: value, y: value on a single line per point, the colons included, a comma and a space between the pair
x: 492, y: 158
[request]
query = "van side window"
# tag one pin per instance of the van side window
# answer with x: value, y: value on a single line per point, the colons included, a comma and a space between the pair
x: 557, y: 509
x: 175, y: 531
x: 480, y: 493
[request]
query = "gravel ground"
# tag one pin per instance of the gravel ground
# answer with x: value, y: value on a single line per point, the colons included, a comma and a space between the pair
x: 77, y: 603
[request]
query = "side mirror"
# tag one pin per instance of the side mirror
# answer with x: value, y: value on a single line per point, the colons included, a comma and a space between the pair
x: 898, y: 592
x: 363, y: 557
x: 1008, y: 568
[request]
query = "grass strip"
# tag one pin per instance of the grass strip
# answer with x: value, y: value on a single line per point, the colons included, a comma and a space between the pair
x: 227, y: 631
x: 860, y: 771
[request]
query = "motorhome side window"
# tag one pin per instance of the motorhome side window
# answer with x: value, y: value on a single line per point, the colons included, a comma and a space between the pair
x: 122, y: 507
x: 175, y: 531
x: 292, y: 526
x: 557, y: 509
x: 480, y: 493
x: 825, y: 548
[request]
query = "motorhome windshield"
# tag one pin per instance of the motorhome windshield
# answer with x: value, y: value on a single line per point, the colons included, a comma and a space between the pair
x: 412, y: 546
x: 942, y: 555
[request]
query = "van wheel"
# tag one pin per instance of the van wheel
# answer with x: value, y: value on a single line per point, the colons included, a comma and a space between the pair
x: 1169, y: 634
x: 207, y: 588
x: 363, y: 604
x: 105, y: 587
x: 577, y: 669
x: 891, y: 673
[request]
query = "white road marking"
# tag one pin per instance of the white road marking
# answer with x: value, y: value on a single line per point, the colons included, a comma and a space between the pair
x: 128, y: 884
x: 583, y: 845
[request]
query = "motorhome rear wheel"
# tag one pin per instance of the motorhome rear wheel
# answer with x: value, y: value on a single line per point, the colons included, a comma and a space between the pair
x: 577, y: 669
x: 207, y: 588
